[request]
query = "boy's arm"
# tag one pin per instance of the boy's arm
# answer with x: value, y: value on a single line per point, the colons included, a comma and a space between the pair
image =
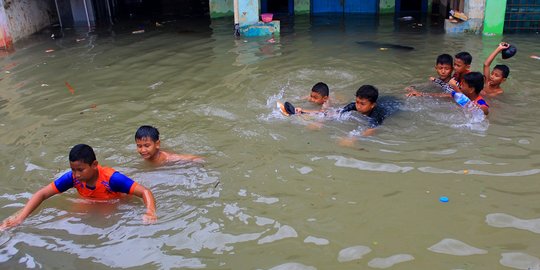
x: 299, y: 110
x: 350, y: 140
x: 190, y: 157
x: 148, y: 199
x: 491, y: 57
x: 413, y: 92
x: 485, y: 109
x: 36, y: 199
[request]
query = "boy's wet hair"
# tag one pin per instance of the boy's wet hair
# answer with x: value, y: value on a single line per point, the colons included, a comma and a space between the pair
x: 82, y: 152
x: 321, y: 88
x: 368, y: 92
x: 504, y: 69
x: 465, y: 57
x: 445, y: 59
x: 147, y: 132
x: 475, y: 80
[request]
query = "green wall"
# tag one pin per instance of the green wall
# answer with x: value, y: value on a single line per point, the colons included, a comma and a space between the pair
x: 221, y: 8
x: 494, y: 17
x: 301, y: 6
x: 387, y: 6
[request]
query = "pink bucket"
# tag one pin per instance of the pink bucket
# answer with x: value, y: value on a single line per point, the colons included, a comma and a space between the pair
x: 266, y: 17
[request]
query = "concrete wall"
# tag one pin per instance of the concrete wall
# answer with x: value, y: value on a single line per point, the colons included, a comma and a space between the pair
x: 474, y: 9
x: 301, y: 7
x: 248, y: 11
x: 25, y: 17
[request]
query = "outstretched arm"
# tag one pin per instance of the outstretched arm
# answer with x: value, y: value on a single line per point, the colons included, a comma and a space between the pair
x: 148, y: 199
x: 36, y: 199
x: 188, y: 157
x: 491, y: 57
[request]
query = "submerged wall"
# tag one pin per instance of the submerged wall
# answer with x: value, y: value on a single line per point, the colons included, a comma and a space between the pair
x: 25, y: 17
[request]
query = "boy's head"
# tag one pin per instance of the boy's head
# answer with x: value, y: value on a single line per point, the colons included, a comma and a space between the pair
x: 473, y: 81
x: 444, y: 66
x: 147, y: 140
x: 499, y: 74
x: 366, y: 99
x: 83, y: 163
x: 319, y: 93
x: 462, y: 62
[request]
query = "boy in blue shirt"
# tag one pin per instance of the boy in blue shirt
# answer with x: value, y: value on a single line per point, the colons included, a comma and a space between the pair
x: 91, y: 181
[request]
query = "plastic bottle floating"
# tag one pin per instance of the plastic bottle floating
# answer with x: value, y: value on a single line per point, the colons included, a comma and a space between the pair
x: 535, y: 57
x: 460, y: 98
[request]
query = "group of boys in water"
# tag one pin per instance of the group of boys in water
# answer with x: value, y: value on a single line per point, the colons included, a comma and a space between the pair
x: 96, y: 182
x: 453, y: 73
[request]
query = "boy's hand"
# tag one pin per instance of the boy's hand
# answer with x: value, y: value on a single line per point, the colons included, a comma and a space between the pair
x: 432, y: 79
x: 412, y: 92
x: 149, y: 218
x: 347, y: 142
x: 503, y: 46
x: 453, y: 83
x: 10, y: 222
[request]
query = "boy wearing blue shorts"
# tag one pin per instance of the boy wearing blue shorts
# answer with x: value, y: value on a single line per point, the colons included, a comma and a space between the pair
x: 91, y: 181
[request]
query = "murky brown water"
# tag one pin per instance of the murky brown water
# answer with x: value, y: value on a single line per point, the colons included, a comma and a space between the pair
x: 274, y: 191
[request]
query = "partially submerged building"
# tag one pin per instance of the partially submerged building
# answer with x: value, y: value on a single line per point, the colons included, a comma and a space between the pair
x: 20, y: 18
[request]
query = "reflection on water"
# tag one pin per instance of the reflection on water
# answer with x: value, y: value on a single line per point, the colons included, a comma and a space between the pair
x: 276, y: 192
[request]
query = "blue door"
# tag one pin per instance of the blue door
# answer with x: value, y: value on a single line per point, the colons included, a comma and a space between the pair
x: 361, y: 6
x: 345, y: 6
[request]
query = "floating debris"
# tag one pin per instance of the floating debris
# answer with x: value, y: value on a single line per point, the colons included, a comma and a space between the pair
x: 70, y: 88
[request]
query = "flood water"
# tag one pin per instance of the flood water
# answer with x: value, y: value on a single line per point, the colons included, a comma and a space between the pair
x: 275, y: 192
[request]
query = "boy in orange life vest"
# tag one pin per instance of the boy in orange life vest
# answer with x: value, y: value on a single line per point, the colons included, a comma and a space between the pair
x: 91, y: 181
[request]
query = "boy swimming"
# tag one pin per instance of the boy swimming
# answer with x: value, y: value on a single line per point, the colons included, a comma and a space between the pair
x: 462, y: 66
x: 471, y: 86
x: 494, y: 78
x: 319, y: 95
x: 91, y: 181
x: 444, y: 67
x: 148, y: 146
x: 366, y: 104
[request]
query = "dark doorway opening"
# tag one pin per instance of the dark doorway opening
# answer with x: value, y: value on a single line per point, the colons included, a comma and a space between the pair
x: 162, y: 9
x: 277, y: 6
x: 410, y: 5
